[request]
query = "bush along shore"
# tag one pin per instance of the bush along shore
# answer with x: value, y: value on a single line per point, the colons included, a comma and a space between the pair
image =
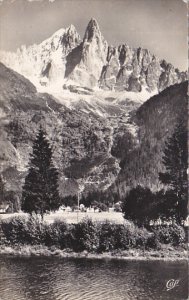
x: 30, y: 236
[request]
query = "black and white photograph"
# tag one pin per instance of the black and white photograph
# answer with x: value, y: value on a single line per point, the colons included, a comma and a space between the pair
x: 94, y: 150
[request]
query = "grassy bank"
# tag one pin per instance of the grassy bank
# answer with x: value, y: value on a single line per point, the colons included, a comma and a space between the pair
x: 166, y: 254
x: 29, y: 236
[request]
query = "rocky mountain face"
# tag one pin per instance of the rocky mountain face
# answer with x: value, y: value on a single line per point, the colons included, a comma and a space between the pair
x: 136, y: 69
x: 91, y: 57
x: 81, y: 141
x: 91, y: 62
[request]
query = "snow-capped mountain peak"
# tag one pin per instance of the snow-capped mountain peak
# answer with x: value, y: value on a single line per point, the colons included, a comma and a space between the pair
x: 44, y: 63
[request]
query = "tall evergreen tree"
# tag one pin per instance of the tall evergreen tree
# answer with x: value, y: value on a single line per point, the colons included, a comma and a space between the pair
x: 175, y: 160
x: 2, y: 189
x: 40, y: 192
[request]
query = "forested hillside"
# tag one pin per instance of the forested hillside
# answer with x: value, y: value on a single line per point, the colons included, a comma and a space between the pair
x: 155, y: 120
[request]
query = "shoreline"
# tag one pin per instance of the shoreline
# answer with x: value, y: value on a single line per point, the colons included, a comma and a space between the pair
x: 135, y: 255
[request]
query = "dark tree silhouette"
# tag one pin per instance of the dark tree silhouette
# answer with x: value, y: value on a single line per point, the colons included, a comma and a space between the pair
x: 40, y: 192
x: 138, y: 206
x: 175, y: 160
x: 2, y: 189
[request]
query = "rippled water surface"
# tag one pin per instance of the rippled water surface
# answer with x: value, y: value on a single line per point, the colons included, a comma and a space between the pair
x: 87, y: 279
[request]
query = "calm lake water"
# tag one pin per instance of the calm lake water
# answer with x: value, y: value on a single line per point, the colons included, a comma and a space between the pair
x: 88, y: 279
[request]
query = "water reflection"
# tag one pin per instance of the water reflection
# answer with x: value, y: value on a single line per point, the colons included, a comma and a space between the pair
x: 85, y: 279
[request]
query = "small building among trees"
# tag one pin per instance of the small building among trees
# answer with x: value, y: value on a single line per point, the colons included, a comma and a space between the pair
x: 4, y: 208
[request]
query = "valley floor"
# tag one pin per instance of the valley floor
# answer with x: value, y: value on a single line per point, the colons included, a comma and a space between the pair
x: 74, y: 217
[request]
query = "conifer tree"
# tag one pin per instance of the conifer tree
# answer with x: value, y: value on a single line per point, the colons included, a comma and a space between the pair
x: 175, y: 160
x: 2, y: 189
x: 40, y: 192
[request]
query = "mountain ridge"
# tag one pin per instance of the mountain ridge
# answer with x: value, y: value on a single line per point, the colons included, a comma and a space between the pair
x: 65, y: 58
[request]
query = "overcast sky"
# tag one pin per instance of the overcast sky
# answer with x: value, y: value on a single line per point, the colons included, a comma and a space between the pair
x: 159, y: 25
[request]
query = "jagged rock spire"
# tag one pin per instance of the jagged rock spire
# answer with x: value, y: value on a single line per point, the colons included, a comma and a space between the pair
x: 92, y: 30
